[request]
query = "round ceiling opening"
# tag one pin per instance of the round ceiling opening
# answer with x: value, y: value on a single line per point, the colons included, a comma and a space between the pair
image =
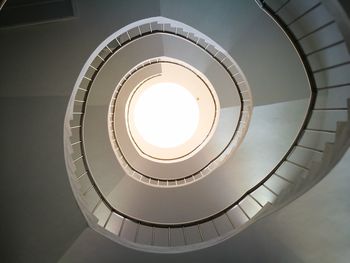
x: 166, y: 115
x: 166, y: 112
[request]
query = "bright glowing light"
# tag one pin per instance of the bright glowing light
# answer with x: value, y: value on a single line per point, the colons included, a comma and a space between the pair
x: 166, y: 115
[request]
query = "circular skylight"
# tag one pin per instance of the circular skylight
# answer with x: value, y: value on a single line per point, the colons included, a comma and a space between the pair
x: 166, y: 115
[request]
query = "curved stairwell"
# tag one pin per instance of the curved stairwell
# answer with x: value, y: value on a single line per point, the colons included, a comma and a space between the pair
x: 322, y: 43
x: 323, y: 138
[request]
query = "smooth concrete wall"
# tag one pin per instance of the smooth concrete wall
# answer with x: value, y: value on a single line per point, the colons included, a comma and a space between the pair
x: 39, y: 215
x: 315, y: 227
x: 46, y: 59
x: 39, y: 65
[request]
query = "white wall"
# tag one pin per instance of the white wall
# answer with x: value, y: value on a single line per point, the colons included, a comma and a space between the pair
x: 39, y: 66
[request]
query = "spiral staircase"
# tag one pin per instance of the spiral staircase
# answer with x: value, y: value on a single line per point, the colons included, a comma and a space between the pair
x: 234, y: 200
